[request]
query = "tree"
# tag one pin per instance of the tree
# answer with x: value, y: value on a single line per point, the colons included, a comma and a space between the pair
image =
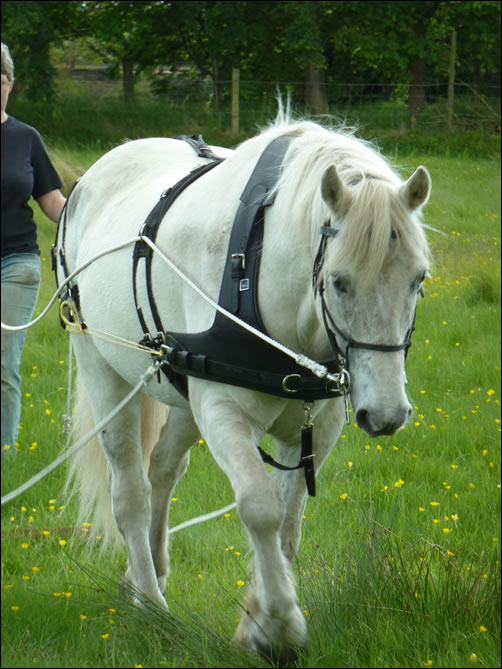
x: 23, y: 25
x: 311, y: 43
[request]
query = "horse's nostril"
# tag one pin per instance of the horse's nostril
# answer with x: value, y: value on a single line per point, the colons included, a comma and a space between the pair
x: 362, y: 418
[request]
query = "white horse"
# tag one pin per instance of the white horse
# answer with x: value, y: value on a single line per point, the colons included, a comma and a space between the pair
x: 351, y: 286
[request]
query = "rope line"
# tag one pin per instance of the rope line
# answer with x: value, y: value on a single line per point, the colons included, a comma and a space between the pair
x: 202, y: 519
x: 150, y: 372
x: 304, y: 361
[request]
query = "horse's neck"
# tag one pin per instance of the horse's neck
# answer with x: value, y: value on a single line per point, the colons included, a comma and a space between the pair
x: 285, y: 290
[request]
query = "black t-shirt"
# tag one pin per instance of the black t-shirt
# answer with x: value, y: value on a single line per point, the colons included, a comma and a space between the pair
x: 26, y: 171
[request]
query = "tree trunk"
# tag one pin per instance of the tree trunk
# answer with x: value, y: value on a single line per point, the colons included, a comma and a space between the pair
x: 416, y: 97
x: 451, y: 79
x: 128, y: 79
x: 216, y: 84
x: 315, y: 93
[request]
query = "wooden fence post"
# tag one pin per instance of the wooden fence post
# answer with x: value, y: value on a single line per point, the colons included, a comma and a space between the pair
x: 451, y: 79
x: 235, y: 101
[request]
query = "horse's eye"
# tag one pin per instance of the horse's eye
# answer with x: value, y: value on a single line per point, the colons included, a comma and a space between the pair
x: 340, y: 284
x: 420, y: 289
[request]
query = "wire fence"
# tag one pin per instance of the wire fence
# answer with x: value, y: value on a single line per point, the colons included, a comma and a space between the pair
x: 89, y: 107
x: 383, y: 105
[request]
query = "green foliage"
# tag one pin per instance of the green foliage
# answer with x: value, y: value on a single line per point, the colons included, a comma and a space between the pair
x: 352, y: 42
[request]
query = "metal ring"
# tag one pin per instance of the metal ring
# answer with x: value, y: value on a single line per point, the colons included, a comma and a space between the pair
x: 345, y: 380
x: 285, y: 386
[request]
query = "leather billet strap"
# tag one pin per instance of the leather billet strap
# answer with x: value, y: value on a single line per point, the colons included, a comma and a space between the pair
x: 306, y: 459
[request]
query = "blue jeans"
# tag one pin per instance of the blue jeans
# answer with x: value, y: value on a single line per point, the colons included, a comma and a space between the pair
x: 20, y: 288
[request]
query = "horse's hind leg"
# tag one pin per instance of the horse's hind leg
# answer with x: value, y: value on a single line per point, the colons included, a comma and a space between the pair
x: 130, y: 488
x: 168, y: 462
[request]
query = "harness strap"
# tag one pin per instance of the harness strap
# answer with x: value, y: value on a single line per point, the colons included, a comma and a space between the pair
x: 306, y: 460
x: 71, y: 294
x: 150, y: 229
x: 240, y: 277
x: 199, y: 146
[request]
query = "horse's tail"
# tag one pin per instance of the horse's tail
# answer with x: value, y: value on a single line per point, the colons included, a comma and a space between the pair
x: 89, y: 473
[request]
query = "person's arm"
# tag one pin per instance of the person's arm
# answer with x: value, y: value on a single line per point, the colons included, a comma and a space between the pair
x: 52, y: 204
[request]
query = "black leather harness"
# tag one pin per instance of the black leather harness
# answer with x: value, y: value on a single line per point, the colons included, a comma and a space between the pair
x: 227, y: 353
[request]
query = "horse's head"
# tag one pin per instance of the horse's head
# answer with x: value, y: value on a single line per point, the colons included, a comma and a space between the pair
x: 375, y: 260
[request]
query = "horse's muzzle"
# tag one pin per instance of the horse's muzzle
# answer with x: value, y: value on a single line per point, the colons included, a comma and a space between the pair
x: 377, y: 423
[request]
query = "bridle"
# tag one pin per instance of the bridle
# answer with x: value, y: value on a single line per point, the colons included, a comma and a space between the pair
x: 332, y: 330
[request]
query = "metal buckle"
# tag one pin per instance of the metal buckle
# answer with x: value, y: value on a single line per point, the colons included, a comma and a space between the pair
x: 332, y: 386
x: 240, y: 257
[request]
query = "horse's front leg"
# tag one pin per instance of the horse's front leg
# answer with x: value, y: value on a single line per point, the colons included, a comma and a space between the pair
x: 277, y: 628
x: 292, y: 486
x: 328, y: 425
x: 168, y: 462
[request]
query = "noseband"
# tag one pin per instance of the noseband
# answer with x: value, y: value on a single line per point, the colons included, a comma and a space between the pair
x: 329, y: 324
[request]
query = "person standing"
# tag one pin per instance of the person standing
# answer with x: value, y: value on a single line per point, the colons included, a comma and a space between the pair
x: 26, y: 172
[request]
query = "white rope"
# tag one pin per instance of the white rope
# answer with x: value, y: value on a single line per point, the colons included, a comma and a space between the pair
x: 16, y: 328
x: 81, y: 442
x: 202, y: 519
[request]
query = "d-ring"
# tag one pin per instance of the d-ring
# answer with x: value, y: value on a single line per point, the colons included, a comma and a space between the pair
x: 286, y: 387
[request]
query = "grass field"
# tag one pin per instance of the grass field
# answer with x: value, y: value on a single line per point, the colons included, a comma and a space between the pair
x: 399, y: 564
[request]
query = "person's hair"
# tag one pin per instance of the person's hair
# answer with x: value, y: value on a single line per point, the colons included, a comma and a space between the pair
x: 7, y: 63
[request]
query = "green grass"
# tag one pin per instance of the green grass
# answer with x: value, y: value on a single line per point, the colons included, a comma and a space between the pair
x: 94, y: 114
x: 399, y: 564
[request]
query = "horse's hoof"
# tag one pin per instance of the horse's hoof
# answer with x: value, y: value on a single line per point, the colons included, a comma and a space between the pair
x: 129, y: 592
x: 279, y: 657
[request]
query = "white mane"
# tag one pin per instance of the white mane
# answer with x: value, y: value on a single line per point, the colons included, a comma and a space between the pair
x: 378, y: 212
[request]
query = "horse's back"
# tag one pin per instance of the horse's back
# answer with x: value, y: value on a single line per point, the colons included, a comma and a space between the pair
x: 114, y: 197
x: 131, y: 177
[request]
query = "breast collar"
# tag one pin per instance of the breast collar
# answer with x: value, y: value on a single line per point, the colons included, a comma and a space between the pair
x: 227, y: 353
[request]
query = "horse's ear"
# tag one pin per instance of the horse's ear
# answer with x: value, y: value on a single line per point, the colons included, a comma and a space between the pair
x: 335, y: 193
x: 417, y: 189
